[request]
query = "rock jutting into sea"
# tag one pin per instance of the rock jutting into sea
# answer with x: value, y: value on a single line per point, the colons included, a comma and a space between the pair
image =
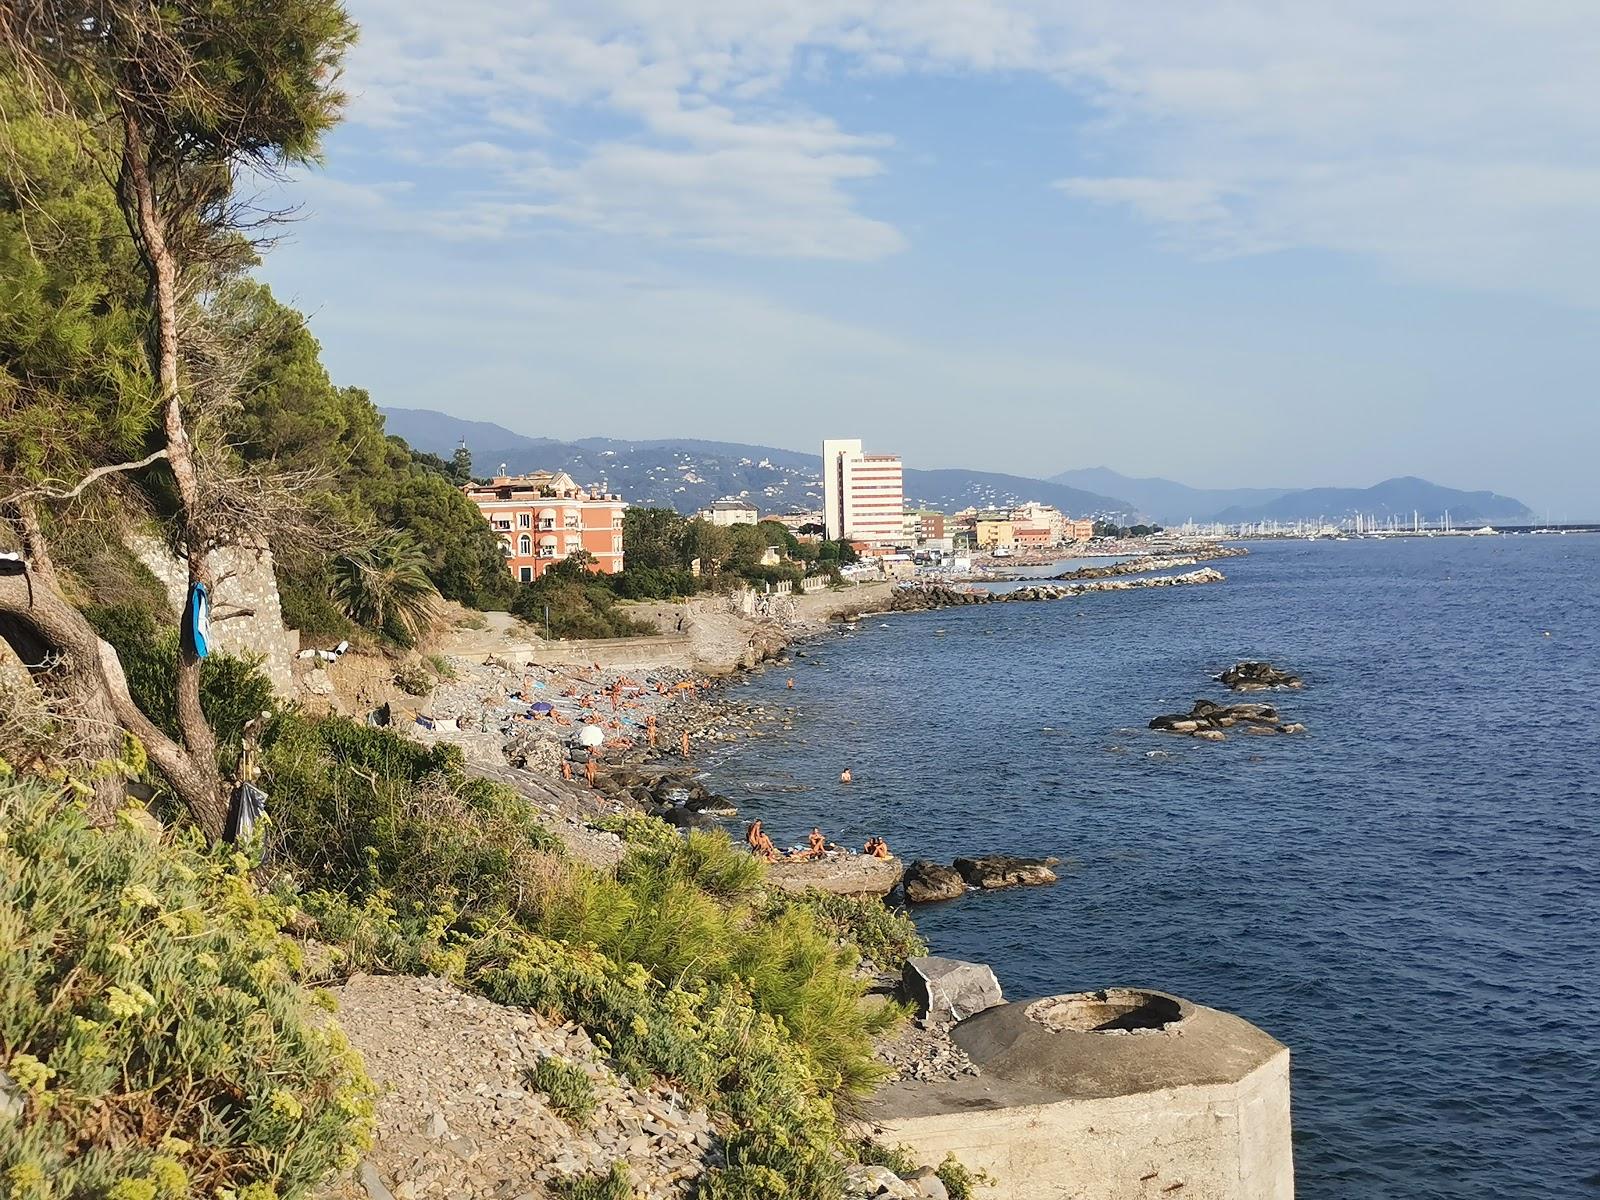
x: 924, y: 598
x: 990, y: 872
x: 1153, y: 562
x: 1258, y: 677
x: 1207, y: 720
x: 926, y: 881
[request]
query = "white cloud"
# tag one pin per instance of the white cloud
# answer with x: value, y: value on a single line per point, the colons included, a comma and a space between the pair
x: 1233, y: 128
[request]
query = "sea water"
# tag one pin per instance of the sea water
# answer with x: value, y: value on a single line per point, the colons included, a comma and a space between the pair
x: 1408, y: 895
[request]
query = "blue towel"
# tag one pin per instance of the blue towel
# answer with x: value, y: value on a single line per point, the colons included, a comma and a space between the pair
x: 197, y: 621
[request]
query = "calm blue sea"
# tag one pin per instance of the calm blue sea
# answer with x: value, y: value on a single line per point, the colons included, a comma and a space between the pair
x: 1409, y: 896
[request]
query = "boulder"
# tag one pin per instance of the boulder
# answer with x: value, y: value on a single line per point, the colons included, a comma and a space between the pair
x: 926, y: 881
x: 992, y: 871
x: 946, y: 990
x: 1258, y: 677
x: 1207, y: 719
x: 928, y: 1184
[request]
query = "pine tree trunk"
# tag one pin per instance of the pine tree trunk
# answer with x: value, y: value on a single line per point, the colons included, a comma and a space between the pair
x: 139, y: 194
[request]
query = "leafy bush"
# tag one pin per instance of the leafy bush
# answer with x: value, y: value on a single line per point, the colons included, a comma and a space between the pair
x: 613, y: 1185
x: 305, y: 596
x: 359, y: 809
x: 568, y: 1086
x: 897, y: 1158
x: 148, y: 1016
x: 885, y: 937
x: 232, y: 690
x: 580, y: 604
x: 960, y: 1181
x: 652, y: 583
x: 413, y: 679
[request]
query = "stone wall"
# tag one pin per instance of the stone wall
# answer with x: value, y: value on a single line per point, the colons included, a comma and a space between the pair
x: 245, y: 581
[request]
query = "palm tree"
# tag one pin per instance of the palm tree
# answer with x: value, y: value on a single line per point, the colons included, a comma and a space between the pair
x: 387, y: 588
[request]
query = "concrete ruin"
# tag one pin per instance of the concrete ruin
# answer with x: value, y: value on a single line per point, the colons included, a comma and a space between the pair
x: 1111, y: 1095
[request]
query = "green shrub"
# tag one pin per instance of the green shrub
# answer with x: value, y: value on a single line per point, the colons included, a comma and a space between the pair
x: 568, y: 1086
x: 875, y: 1154
x: 413, y: 679
x: 580, y: 606
x: 306, y: 600
x: 960, y: 1181
x: 359, y: 810
x: 885, y: 937
x: 148, y: 1015
x: 232, y: 690
x: 613, y: 1185
x: 652, y: 583
x: 442, y: 666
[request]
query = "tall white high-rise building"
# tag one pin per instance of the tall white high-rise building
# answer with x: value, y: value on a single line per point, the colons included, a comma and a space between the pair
x: 863, y: 495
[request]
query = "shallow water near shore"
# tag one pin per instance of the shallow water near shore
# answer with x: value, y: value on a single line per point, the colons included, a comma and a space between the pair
x: 1408, y: 896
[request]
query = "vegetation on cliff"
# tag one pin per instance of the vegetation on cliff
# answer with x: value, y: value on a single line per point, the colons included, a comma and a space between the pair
x: 155, y: 1042
x: 152, y: 1032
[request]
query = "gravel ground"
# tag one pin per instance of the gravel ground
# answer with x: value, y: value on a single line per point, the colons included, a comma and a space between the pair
x: 459, y: 1117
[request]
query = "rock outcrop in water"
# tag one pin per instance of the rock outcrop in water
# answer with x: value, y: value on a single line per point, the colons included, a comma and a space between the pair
x: 1258, y: 677
x: 993, y: 871
x: 1207, y: 720
x: 926, y: 881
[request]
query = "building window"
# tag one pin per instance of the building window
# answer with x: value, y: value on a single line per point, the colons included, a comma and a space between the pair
x: 525, y: 574
x: 505, y: 545
x: 524, y: 521
x: 524, y: 545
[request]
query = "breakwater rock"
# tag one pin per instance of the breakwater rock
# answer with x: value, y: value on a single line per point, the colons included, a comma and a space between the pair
x: 1153, y: 562
x: 925, y: 597
x: 991, y: 872
x: 1258, y: 677
x: 1207, y: 720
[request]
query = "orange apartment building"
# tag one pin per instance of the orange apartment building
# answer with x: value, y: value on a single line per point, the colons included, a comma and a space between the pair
x: 544, y: 516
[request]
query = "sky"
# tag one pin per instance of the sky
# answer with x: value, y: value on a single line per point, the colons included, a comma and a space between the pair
x: 1254, y: 242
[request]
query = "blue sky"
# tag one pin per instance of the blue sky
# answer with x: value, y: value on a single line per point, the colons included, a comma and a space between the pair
x: 1232, y: 244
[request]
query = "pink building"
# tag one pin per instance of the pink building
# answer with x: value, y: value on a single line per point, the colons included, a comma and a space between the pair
x: 543, y: 516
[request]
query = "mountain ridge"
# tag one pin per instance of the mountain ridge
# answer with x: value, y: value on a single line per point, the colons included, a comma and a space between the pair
x: 690, y: 473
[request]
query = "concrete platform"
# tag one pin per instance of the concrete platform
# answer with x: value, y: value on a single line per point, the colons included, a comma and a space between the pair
x: 1111, y: 1095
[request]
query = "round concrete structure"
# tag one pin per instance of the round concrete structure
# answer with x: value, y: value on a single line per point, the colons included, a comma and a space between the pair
x: 1114, y: 1094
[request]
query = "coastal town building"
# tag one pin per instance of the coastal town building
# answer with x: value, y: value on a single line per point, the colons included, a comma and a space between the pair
x: 542, y: 517
x: 993, y: 531
x: 863, y: 494
x: 730, y: 512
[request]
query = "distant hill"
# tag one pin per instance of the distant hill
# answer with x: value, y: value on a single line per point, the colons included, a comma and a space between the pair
x: 1398, y: 497
x: 1173, y: 503
x: 1163, y: 500
x: 689, y: 473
